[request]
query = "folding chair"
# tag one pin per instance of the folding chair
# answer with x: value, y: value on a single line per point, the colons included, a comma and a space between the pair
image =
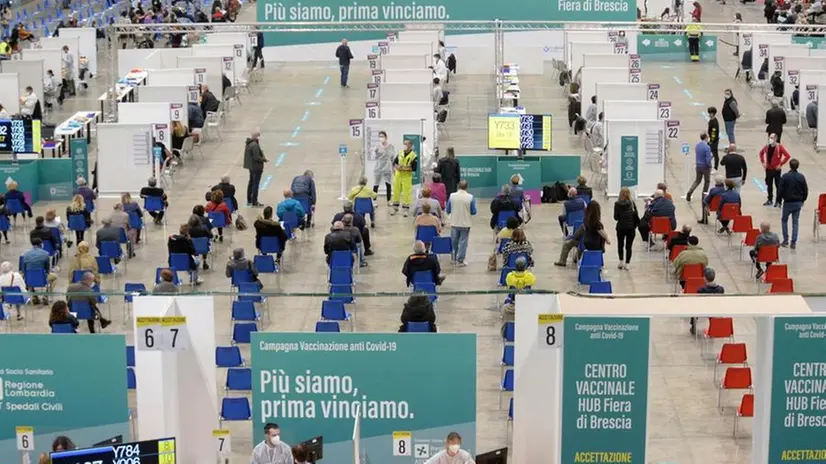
x: 13, y: 296
x: 154, y: 205
x: 768, y: 254
x: 746, y: 409
x: 506, y: 385
x: 228, y: 356
x: 342, y: 294
x: 15, y: 207
x: 364, y: 206
x: 327, y: 326
x: 782, y: 286
x: 265, y: 264
x: 203, y: 247
x: 112, y: 250
x: 718, y: 328
x: 442, y: 246
x: 690, y: 271
x: 180, y: 262
x: 332, y: 310
x: 83, y: 309
x: 693, y: 285
x: 428, y: 288
x: 741, y: 225
x: 269, y: 245
x: 573, y: 219
x: 250, y: 292
x: 658, y: 226
x: 749, y: 240
x: 601, y: 288
x: 730, y: 353
x: 592, y: 258
x: 417, y: 327
x: 235, y: 408
x: 773, y: 273
x: 238, y: 379
x: 244, y: 311
x: 735, y: 378
x: 241, y: 276
x: 586, y: 275
x: 77, y: 223
x: 426, y: 234
x: 219, y: 220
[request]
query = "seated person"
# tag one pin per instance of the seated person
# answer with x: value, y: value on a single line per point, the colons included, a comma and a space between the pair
x: 766, y: 237
x: 362, y: 191
x: 520, y: 278
x: 503, y: 202
x: 209, y: 104
x: 167, y: 284
x: 795, y: 98
x: 427, y: 219
x: 12, y: 193
x: 511, y: 225
x: 44, y: 233
x: 358, y: 222
x: 582, y: 187
x: 37, y: 258
x: 339, y: 240
x: 713, y: 192
x: 239, y: 262
x: 225, y: 83
x: 438, y: 190
x: 425, y: 199
x: 591, y: 234
x: 418, y: 308
x: 777, y: 84
x: 694, y: 254
x: 680, y: 238
x: 179, y: 134
x: 730, y: 196
x: 660, y: 206
x: 518, y: 245
x: 710, y: 286
x: 571, y: 205
x: 228, y: 190
x: 290, y: 204
x: 78, y: 207
x: 217, y: 205
x: 80, y: 292
x: 89, y: 195
x: 60, y: 315
x: 196, y: 116
x: 266, y: 226
x: 152, y: 190
x: 182, y: 243
x: 420, y: 260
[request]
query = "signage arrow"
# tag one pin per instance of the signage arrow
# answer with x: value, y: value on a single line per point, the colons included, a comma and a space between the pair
x: 678, y: 42
x: 709, y: 42
x: 646, y: 42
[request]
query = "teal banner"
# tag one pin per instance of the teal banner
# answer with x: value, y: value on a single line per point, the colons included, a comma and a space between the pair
x: 427, y: 11
x: 480, y: 173
x: 25, y: 173
x: 630, y: 159
x: 80, y: 158
x: 416, y: 140
x: 407, y: 396
x: 674, y: 48
x: 605, y: 389
x: 812, y: 42
x: 797, y: 429
x: 485, y: 179
x: 80, y: 394
x: 528, y: 168
x: 56, y: 181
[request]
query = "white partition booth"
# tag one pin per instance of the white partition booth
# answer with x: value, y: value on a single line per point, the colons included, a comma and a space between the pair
x: 407, y: 76
x: 581, y: 48
x: 87, y: 44
x: 821, y: 113
x: 412, y: 48
x: 170, y: 76
x: 406, y: 92
x: 810, y: 80
x: 422, y: 110
x: 227, y: 53
x: 10, y: 92
x: 779, y: 53
x: 793, y: 65
x: 592, y: 76
x: 629, y: 110
x: 175, y: 373
x: 619, y: 91
x: 123, y: 148
x: 239, y: 41
x: 210, y: 69
x: 396, y: 129
x: 175, y: 97
x: 404, y: 61
x: 57, y: 43
x: 138, y: 58
x: 155, y: 115
x: 169, y: 56
x: 596, y: 60
x: 760, y: 43
x: 29, y: 73
x: 50, y: 58
x: 649, y: 157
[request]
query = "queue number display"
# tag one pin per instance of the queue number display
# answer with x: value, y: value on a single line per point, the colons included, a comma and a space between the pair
x: 160, y: 451
x: 166, y: 333
x: 20, y: 136
x: 520, y: 132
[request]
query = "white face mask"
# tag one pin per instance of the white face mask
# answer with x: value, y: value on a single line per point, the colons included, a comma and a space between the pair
x: 382, y: 139
x: 728, y: 95
x: 275, y: 440
x: 772, y: 142
x: 453, y: 449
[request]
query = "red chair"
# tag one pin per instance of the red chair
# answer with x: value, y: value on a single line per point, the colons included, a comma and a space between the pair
x: 658, y: 226
x: 746, y: 409
x: 671, y: 236
x: 729, y: 212
x: 675, y: 251
x: 749, y: 240
x: 718, y: 327
x: 768, y: 254
x: 731, y: 353
x: 782, y: 286
x: 690, y: 271
x: 820, y: 215
x: 735, y: 378
x: 714, y: 204
x: 775, y: 272
x: 693, y: 285
x: 740, y: 225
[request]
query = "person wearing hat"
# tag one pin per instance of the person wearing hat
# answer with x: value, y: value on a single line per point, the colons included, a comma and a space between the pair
x: 521, y: 277
x: 239, y: 262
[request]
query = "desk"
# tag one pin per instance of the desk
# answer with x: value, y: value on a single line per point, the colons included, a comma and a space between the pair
x: 125, y: 88
x: 79, y: 125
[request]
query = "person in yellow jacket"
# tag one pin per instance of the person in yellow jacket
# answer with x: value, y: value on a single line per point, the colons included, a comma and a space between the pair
x: 5, y: 50
x: 693, y: 32
x: 405, y: 165
x: 520, y: 278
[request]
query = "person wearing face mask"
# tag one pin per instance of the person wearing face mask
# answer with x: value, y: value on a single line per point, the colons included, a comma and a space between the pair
x: 28, y: 103
x: 730, y: 114
x: 405, y: 164
x: 272, y: 450
x: 775, y: 119
x: 453, y: 452
x: 773, y: 156
x: 439, y: 68
x: 383, y: 170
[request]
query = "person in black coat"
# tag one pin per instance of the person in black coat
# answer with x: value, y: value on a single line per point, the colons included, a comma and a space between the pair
x: 266, y: 226
x: 226, y: 187
x: 627, y: 217
x: 418, y: 308
x: 182, y: 243
x: 358, y: 222
x: 197, y: 229
x: 503, y: 202
x: 775, y: 119
x: 448, y: 168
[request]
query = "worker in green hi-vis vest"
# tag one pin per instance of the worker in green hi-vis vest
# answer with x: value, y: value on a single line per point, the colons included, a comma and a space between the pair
x: 405, y: 164
x: 693, y: 31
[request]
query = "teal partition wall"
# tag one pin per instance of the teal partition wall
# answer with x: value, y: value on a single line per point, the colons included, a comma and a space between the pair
x: 487, y: 173
x: 72, y: 385
x: 654, y: 48
x: 407, y: 397
x: 40, y: 180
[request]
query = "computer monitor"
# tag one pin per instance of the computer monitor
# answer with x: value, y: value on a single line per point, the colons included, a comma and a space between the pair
x: 499, y: 456
x: 315, y: 446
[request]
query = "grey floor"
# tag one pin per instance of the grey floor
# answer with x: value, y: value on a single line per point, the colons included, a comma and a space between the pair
x: 685, y: 425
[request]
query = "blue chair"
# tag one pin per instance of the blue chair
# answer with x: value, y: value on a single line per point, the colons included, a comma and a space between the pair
x: 417, y: 327
x: 124, y: 239
x: 269, y: 245
x: 105, y: 266
x: 131, y: 380
x: 426, y: 233
x: 36, y: 278
x: 250, y: 291
x: 111, y: 250
x: 77, y: 274
x: 327, y: 326
x: 63, y: 329
x: 291, y: 219
x: 241, y: 332
x: 241, y: 276
x: 423, y: 277
x: 342, y: 293
x: 592, y: 258
x: 228, y: 356
x: 332, y: 310
x: 364, y: 206
x: 153, y: 204
x: 180, y: 262
x: 442, y: 246
x: 503, y: 242
x: 49, y: 247
x: 574, y: 216
x: 218, y: 219
x: 202, y: 245
x: 132, y: 288
x: 589, y: 274
x: 77, y: 222
x: 90, y: 205
x: 265, y: 264
x: 83, y: 309
x: 5, y: 224
x: 342, y: 258
x: 510, y: 410
x: 426, y: 287
x: 13, y: 295
x: 514, y: 256
x: 601, y: 288
x: 175, y: 279
x: 244, y: 311
x: 235, y: 409
x: 503, y: 276
x: 341, y: 276
x: 585, y: 198
x: 135, y: 220
x: 507, y: 356
x: 502, y: 218
x: 509, y: 332
x: 305, y: 205
x: 506, y: 386
x: 130, y: 356
x: 239, y: 379
x: 15, y: 207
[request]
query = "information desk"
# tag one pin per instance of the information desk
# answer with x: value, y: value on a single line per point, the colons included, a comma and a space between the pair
x: 20, y: 136
x: 160, y: 451
x: 125, y: 88
x: 486, y: 174
x: 79, y: 125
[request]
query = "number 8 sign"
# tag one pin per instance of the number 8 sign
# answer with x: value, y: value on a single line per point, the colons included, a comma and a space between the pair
x: 550, y: 331
x: 401, y: 444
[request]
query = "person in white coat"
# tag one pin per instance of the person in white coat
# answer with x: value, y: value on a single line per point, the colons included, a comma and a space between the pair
x: 28, y: 102
x: 439, y: 68
x: 11, y: 278
x: 68, y: 70
x: 453, y: 452
x: 272, y: 450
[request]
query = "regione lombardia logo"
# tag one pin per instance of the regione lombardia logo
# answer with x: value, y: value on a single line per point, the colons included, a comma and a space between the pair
x: 2, y: 396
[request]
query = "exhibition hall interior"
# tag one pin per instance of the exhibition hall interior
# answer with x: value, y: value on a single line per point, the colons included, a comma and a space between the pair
x: 578, y: 232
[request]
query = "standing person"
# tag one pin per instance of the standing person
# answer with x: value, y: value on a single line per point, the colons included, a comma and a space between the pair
x: 258, y: 50
x: 303, y: 188
x: 693, y: 32
x: 254, y: 163
x: 773, y: 156
x: 405, y: 164
x: 461, y: 206
x: 702, y: 164
x: 439, y: 68
x: 448, y: 167
x: 775, y: 119
x: 344, y: 56
x: 713, y: 132
x: 383, y: 169
x: 730, y: 112
x: 272, y: 450
x: 736, y: 167
x: 627, y: 217
x: 68, y: 70
x: 793, y: 192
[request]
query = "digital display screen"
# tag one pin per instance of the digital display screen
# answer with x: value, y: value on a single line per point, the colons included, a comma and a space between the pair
x: 520, y: 132
x: 20, y: 136
x: 160, y: 451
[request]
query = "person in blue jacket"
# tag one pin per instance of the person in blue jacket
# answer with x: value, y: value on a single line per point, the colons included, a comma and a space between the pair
x: 703, y: 160
x: 730, y: 196
x: 290, y: 204
x: 717, y: 190
x: 303, y: 188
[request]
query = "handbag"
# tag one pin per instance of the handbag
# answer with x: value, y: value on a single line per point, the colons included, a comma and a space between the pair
x: 636, y: 216
x: 492, y: 262
x: 241, y: 223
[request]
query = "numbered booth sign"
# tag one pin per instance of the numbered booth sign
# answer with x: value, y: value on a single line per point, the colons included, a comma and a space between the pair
x: 200, y: 76
x: 253, y: 38
x: 25, y: 438
x: 378, y: 76
x: 193, y: 94
x: 383, y: 48
x: 402, y: 444
x: 239, y: 50
x: 794, y: 77
x: 176, y: 112
x: 747, y: 40
x: 223, y: 441
x: 634, y: 76
x: 356, y: 128
x: 160, y: 132
x: 175, y: 337
x: 551, y: 330
x: 763, y: 51
x: 228, y: 64
x: 620, y: 47
x: 779, y: 62
x: 811, y: 91
x: 672, y: 129
x: 653, y: 91
x: 373, y: 92
x: 146, y: 338
x: 373, y: 61
x: 664, y: 110
x: 391, y: 36
x: 634, y: 62
x: 371, y: 110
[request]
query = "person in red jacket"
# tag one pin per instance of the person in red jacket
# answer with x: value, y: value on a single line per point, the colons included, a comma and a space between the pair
x: 217, y: 205
x: 773, y: 156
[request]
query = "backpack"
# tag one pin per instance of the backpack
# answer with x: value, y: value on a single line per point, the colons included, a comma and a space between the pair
x: 442, y: 116
x: 241, y: 223
x: 554, y: 193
